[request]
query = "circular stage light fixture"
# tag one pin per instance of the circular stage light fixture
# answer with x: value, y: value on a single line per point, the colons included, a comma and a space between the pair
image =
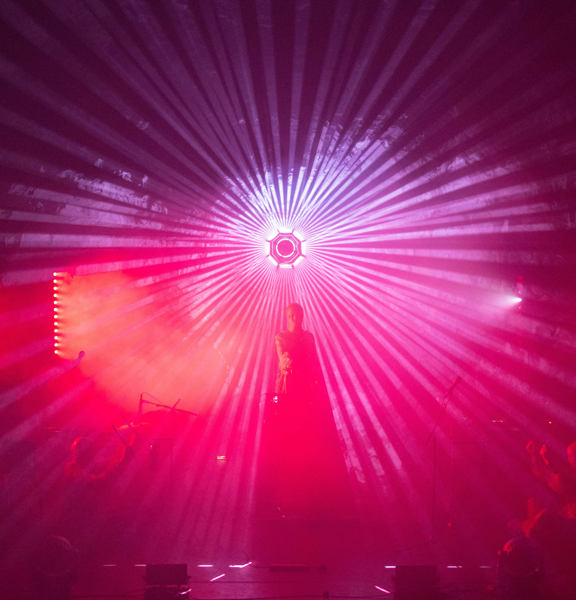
x: 285, y: 249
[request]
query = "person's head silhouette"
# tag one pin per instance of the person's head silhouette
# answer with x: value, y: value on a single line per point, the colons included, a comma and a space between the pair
x: 294, y: 316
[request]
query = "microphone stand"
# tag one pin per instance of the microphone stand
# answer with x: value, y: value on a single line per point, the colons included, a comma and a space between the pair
x: 445, y: 398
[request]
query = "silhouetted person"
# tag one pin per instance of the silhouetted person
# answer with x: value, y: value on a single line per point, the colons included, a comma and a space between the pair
x: 555, y: 529
x: 521, y: 567
x: 305, y: 467
x: 559, y: 477
x: 299, y: 374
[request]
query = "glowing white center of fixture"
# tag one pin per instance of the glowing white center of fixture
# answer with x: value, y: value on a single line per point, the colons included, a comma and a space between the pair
x: 285, y: 249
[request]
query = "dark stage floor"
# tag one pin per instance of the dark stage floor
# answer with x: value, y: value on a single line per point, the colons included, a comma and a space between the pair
x: 299, y: 580
x: 289, y: 558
